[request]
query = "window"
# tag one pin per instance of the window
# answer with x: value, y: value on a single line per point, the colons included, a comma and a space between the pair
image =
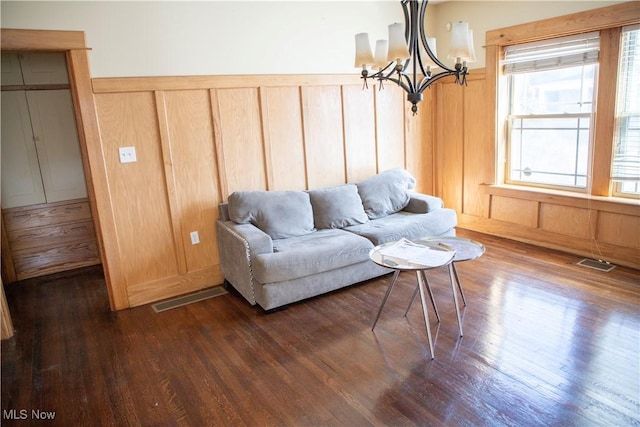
x: 551, y: 87
x: 625, y: 171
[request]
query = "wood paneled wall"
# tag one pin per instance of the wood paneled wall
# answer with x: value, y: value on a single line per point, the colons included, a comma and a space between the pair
x: 592, y: 226
x: 198, y: 139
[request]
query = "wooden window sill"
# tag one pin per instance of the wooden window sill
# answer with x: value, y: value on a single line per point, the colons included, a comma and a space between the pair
x: 566, y: 198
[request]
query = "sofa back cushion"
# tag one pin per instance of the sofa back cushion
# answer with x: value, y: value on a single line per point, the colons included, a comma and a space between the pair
x: 337, y: 207
x: 280, y: 214
x: 386, y: 193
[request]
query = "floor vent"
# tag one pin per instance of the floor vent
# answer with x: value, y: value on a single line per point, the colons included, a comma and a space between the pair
x: 597, y: 265
x: 188, y: 299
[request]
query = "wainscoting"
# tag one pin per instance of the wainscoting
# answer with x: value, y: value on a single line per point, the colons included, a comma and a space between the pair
x: 592, y: 226
x: 468, y: 147
x: 198, y: 139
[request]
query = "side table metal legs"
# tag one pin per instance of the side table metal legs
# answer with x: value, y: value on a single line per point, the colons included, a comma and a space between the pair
x: 455, y: 273
x: 415, y: 293
x: 455, y: 294
x: 453, y: 278
x: 423, y: 284
x: 386, y: 296
x: 425, y: 311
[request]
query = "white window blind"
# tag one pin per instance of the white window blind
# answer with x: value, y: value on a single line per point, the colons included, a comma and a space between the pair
x: 626, y: 157
x: 571, y: 51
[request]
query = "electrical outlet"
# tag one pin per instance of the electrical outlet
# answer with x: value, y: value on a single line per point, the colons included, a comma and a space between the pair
x: 127, y: 154
x: 195, y: 239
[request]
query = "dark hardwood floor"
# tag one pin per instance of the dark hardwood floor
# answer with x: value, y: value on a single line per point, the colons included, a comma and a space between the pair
x: 546, y: 343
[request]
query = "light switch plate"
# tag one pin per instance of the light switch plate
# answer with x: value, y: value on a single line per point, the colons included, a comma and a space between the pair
x: 127, y: 154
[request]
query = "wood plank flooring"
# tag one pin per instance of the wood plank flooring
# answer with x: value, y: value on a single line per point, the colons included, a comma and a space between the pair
x: 546, y: 343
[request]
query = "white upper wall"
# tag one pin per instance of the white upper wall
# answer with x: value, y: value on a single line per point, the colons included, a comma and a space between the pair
x: 484, y: 16
x: 165, y: 38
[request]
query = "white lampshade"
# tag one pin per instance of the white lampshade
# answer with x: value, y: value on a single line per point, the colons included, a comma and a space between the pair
x: 472, y: 51
x: 398, y: 49
x: 460, y: 41
x: 380, y: 57
x: 364, y: 56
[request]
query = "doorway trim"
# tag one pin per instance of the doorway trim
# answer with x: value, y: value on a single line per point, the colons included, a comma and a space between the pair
x: 74, y: 45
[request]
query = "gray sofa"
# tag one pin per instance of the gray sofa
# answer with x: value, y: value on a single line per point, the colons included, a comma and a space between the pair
x: 280, y: 247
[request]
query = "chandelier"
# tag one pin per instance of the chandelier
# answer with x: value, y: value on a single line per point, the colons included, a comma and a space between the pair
x: 408, y: 57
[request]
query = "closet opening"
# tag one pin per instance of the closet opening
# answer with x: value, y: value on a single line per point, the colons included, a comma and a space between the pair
x: 47, y: 222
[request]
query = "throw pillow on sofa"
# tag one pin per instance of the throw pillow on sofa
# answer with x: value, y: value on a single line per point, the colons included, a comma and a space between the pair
x: 386, y: 193
x: 280, y: 214
x: 337, y: 207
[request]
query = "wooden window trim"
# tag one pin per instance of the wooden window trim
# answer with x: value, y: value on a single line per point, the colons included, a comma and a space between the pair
x: 607, y: 20
x: 617, y: 15
x: 624, y: 206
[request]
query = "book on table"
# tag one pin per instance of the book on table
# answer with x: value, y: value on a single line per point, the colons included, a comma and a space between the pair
x: 408, y: 252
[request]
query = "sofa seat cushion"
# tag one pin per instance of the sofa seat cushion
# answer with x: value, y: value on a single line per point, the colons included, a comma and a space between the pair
x: 280, y: 214
x: 386, y: 193
x: 322, y: 250
x: 408, y: 225
x: 337, y: 207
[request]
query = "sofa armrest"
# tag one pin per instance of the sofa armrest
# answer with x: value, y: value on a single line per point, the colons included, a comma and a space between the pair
x: 223, y: 212
x: 257, y: 240
x: 423, y: 203
x: 237, y: 244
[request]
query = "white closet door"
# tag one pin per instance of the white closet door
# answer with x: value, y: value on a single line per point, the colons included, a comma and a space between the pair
x: 44, y: 68
x: 21, y: 180
x: 11, y: 72
x: 57, y: 143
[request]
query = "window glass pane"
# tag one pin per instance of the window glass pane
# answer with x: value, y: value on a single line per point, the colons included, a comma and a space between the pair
x: 556, y: 152
x: 563, y: 91
x: 551, y: 87
x: 626, y: 159
x: 630, y: 187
